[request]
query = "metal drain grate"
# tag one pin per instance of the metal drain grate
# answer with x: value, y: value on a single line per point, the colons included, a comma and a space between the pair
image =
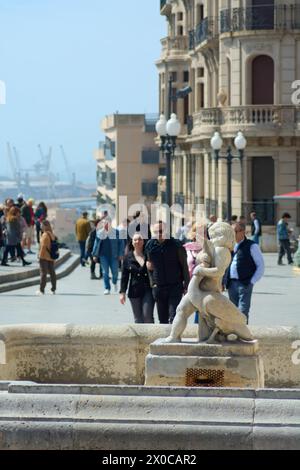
x: 204, y: 378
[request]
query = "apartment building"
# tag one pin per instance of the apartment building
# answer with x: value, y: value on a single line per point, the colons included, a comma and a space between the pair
x: 241, y: 58
x: 128, y: 161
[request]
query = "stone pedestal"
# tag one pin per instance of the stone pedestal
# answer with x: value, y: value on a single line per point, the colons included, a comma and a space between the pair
x: 192, y: 364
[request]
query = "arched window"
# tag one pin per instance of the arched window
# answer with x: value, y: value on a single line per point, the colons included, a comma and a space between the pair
x: 263, y: 80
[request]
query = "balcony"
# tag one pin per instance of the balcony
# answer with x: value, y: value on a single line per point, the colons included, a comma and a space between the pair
x: 176, y: 45
x: 205, y: 31
x: 252, y: 120
x: 264, y: 17
x: 165, y: 7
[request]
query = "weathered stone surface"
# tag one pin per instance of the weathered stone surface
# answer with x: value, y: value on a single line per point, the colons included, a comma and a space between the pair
x: 160, y: 418
x: 168, y: 363
x: 245, y: 372
x: 189, y: 347
x: 72, y: 354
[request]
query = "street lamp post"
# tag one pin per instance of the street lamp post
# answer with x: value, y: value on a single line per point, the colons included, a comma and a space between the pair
x: 240, y: 143
x: 168, y: 132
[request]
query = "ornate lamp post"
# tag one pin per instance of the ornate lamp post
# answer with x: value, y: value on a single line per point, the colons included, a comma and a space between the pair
x: 168, y: 132
x: 240, y: 143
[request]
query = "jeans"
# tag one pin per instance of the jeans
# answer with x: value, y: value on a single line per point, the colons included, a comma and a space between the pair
x: 255, y: 239
x: 285, y: 247
x: 109, y: 264
x: 82, y: 253
x: 167, y: 300
x: 240, y: 295
x: 11, y: 249
x: 143, y: 307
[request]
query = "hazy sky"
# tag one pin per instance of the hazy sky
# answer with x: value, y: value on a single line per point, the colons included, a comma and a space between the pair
x: 68, y: 63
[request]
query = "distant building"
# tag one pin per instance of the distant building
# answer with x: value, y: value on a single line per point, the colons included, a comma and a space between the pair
x: 128, y: 162
x: 240, y: 58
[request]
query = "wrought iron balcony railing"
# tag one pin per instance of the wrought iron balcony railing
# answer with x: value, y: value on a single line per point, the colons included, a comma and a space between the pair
x: 191, y: 40
x: 204, y: 30
x: 264, y: 17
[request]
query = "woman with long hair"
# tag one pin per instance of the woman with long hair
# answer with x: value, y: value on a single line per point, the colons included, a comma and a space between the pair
x: 40, y: 215
x: 135, y: 274
x: 46, y: 262
x: 14, y: 235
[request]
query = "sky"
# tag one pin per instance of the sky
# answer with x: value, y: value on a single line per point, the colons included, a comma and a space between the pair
x: 68, y: 63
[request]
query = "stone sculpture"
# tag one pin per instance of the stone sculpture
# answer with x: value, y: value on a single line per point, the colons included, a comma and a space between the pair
x: 219, y: 318
x: 222, y: 97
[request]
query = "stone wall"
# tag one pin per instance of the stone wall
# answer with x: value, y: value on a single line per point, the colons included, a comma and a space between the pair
x: 115, y: 355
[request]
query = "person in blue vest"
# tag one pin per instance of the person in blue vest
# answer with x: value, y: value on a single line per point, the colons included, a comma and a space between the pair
x: 256, y: 228
x: 109, y: 249
x: 246, y: 269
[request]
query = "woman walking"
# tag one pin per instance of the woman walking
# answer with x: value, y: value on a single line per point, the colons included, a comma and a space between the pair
x: 135, y: 273
x: 193, y: 248
x: 14, y: 236
x: 46, y: 262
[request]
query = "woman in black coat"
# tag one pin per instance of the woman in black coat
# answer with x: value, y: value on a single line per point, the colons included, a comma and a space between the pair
x: 135, y: 273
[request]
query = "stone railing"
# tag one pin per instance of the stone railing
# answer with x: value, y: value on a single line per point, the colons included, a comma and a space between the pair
x: 256, y: 118
x: 178, y: 43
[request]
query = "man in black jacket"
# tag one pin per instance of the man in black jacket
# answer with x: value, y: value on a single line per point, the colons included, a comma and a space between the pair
x: 167, y: 261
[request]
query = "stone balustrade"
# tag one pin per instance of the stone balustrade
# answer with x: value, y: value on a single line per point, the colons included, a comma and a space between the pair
x: 251, y: 119
x: 176, y: 44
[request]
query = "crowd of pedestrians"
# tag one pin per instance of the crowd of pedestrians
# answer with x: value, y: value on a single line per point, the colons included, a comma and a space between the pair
x: 18, y: 222
x: 155, y: 267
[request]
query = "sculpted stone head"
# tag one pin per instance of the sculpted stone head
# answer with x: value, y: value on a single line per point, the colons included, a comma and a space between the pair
x: 222, y: 234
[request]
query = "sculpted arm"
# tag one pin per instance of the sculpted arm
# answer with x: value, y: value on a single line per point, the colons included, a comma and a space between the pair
x: 222, y: 261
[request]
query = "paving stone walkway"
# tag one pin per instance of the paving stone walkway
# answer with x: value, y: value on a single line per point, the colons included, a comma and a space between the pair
x: 276, y: 301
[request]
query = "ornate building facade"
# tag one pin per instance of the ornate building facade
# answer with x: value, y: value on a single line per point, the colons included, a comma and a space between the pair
x: 241, y: 58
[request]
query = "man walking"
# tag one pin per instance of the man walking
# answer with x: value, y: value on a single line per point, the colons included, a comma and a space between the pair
x: 283, y: 239
x: 246, y: 269
x: 167, y: 261
x: 256, y: 228
x: 109, y: 249
x: 82, y: 230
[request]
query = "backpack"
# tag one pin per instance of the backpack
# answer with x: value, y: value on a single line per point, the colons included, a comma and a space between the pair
x: 54, y: 249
